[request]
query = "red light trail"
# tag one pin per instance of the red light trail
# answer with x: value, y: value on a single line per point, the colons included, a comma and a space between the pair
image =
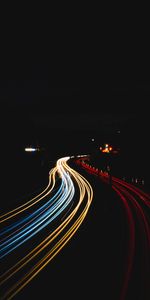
x: 136, y: 204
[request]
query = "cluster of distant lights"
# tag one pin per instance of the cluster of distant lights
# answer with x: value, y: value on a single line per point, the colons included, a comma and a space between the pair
x: 107, y: 148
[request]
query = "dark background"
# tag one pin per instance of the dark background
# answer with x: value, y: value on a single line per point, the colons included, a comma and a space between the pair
x: 68, y: 121
x: 64, y: 121
x: 32, y: 112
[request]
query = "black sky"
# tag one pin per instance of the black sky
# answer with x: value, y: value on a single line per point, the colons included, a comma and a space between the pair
x: 29, y: 97
x: 32, y: 111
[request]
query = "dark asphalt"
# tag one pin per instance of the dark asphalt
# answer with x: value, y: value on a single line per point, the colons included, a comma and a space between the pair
x: 93, y: 263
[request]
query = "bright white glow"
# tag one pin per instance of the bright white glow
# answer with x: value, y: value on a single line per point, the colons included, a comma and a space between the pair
x: 83, y: 155
x: 30, y: 149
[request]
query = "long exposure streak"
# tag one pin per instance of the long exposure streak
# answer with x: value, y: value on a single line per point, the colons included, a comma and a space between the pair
x: 55, y: 214
x: 136, y: 204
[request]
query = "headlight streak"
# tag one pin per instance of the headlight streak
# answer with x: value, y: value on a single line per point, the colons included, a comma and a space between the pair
x: 64, y: 231
x: 33, y: 215
x: 46, y: 218
x: 33, y: 201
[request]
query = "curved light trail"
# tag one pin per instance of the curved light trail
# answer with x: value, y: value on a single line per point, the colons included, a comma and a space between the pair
x: 20, y: 209
x: 134, y: 196
x: 56, y: 213
x: 136, y: 204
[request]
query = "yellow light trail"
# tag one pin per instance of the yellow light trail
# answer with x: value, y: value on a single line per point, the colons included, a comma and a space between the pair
x: 18, y: 210
x: 64, y: 232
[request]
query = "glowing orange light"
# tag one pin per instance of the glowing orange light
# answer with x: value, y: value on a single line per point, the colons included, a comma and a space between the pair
x: 106, y: 150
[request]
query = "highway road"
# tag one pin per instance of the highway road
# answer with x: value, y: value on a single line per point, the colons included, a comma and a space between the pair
x: 135, y: 274
x: 55, y: 214
x: 109, y: 258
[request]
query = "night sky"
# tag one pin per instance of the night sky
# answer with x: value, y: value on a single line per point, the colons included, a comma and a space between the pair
x: 29, y: 103
x: 66, y: 120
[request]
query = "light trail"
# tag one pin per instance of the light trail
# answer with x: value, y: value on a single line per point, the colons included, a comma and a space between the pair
x: 20, y: 209
x: 61, y: 234
x: 61, y: 202
x: 131, y: 243
x: 124, y: 189
x: 141, y: 195
x: 132, y: 199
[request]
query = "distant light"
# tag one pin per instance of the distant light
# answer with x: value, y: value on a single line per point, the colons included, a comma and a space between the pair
x: 115, y: 151
x: 93, y: 140
x: 118, y: 131
x: 105, y: 150
x: 30, y: 149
